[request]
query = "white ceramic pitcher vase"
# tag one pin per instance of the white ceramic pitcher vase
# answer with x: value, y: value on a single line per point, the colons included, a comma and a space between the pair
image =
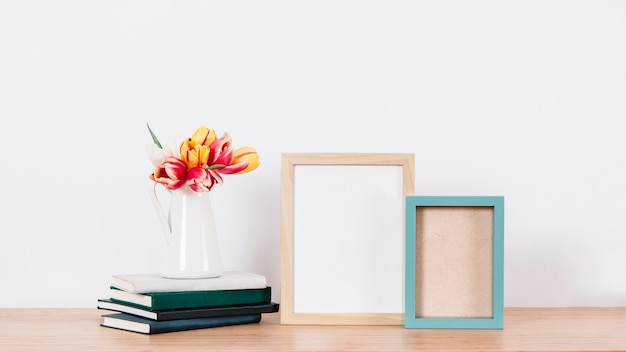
x: 191, y: 249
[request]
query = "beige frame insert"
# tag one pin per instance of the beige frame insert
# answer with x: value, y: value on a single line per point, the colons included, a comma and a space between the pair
x: 289, y: 163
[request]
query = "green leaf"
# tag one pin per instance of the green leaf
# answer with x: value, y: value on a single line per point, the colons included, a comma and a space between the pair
x: 215, y: 166
x: 154, y: 137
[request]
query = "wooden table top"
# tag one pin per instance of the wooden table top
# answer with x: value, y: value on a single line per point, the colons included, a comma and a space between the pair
x: 526, y: 329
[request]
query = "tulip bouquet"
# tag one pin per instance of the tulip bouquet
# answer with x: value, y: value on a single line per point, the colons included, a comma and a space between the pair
x: 199, y: 161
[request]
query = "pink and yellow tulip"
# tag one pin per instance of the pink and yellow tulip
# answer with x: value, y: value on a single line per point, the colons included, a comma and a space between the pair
x: 171, y: 173
x: 195, y: 150
x: 203, y: 158
x: 203, y: 180
x: 244, y: 160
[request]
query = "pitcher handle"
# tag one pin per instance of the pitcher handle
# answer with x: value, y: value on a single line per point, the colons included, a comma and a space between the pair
x: 163, y: 219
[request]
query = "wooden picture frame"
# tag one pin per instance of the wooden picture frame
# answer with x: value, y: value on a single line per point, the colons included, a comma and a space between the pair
x: 454, y: 262
x: 342, y: 237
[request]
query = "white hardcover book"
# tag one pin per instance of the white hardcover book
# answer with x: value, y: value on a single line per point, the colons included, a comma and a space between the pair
x: 230, y: 280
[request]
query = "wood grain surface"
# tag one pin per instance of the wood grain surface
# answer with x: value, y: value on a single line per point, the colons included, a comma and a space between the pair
x: 526, y: 329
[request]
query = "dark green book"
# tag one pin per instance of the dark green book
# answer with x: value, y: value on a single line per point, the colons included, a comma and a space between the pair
x: 134, y: 323
x: 192, y: 299
x: 189, y: 313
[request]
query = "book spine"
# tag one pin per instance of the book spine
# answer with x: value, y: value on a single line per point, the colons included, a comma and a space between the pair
x: 197, y: 299
x: 191, y: 324
x: 217, y: 311
x: 152, y: 283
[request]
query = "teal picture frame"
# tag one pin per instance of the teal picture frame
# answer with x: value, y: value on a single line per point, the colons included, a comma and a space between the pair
x: 440, y: 230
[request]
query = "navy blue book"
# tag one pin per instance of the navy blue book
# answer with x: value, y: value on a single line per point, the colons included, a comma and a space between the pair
x: 141, y: 325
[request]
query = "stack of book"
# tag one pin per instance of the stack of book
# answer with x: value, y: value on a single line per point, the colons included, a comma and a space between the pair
x: 151, y: 304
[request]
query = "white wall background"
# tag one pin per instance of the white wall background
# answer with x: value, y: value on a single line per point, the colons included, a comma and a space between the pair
x: 524, y: 99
